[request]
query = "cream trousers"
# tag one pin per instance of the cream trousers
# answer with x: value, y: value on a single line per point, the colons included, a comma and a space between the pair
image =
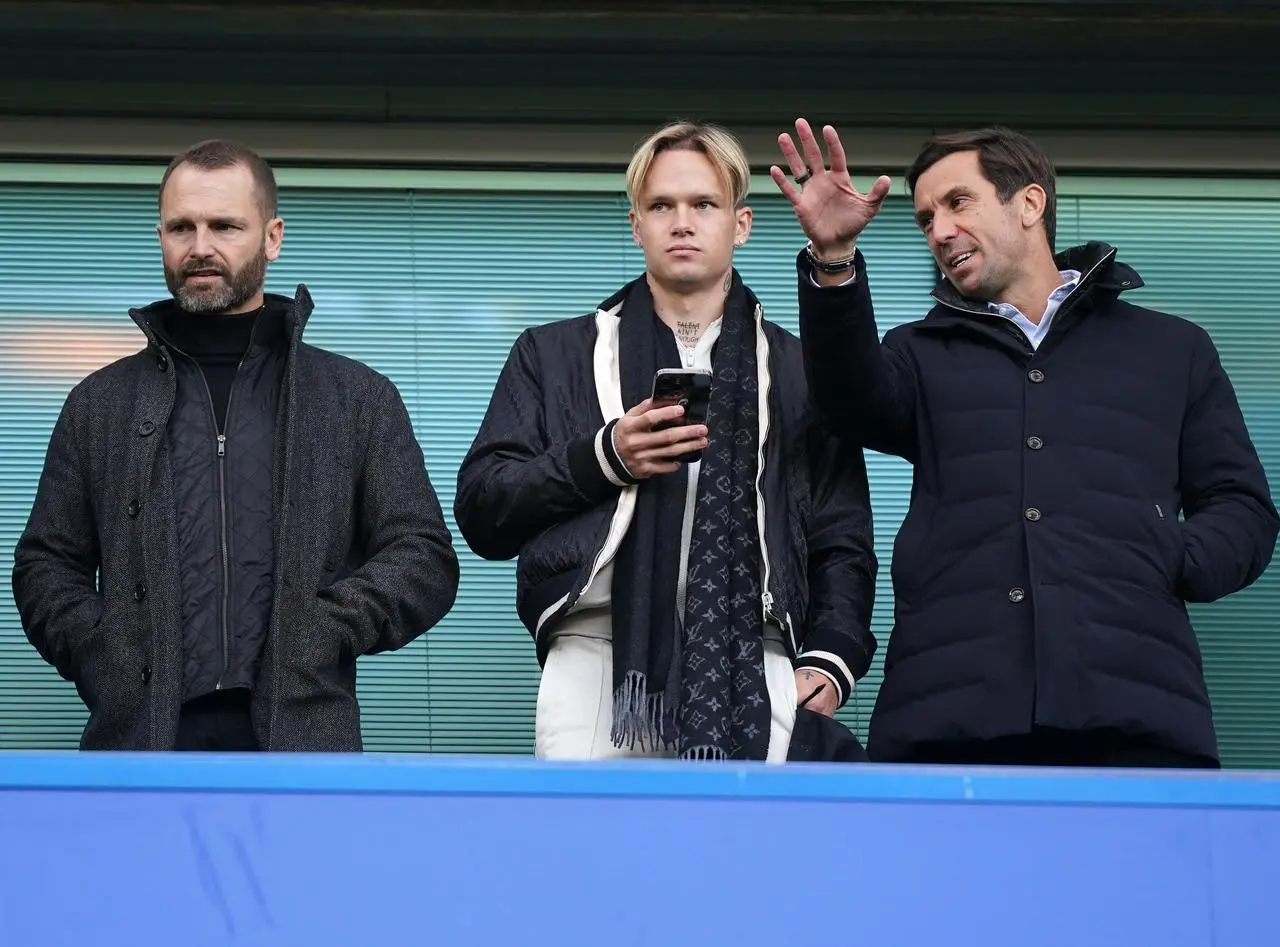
x: 575, y: 702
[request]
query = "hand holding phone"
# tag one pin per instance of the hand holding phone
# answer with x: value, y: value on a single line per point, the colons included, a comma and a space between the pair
x: 690, y: 389
x: 668, y: 428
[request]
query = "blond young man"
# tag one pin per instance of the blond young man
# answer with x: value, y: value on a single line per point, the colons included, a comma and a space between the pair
x: 687, y: 579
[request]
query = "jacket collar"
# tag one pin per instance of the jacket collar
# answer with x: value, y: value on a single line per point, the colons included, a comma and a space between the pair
x: 1095, y: 261
x: 614, y: 303
x: 297, y: 314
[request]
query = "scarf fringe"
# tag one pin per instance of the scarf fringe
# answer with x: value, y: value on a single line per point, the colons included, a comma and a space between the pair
x: 636, y: 713
x: 702, y: 753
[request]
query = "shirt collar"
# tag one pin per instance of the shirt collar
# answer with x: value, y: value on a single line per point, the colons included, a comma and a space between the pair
x: 1070, y: 279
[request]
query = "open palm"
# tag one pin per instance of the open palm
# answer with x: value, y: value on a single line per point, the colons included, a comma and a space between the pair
x: 830, y: 210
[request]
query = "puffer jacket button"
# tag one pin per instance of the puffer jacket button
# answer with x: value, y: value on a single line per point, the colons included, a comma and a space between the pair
x: 1016, y: 595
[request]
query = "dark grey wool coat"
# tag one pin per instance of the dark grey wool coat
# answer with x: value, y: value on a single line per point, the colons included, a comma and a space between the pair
x: 364, y: 560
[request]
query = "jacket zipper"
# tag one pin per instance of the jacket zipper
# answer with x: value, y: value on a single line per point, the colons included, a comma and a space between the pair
x: 765, y: 390
x: 604, y: 552
x: 220, y: 446
x: 612, y: 541
x: 223, y: 545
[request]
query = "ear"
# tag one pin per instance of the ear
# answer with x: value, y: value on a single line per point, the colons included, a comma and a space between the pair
x: 634, y: 218
x: 274, y: 237
x: 1034, y: 201
x: 742, y: 226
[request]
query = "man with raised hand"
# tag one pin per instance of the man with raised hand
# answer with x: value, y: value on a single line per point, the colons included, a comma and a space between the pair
x: 1056, y: 432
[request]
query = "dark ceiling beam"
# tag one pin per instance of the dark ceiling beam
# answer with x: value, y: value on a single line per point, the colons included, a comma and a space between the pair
x: 1173, y: 70
x: 771, y: 25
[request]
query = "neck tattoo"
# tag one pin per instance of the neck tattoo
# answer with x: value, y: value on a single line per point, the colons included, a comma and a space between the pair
x: 688, y: 332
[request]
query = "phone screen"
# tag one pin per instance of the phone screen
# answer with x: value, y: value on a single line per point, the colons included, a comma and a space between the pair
x: 690, y: 389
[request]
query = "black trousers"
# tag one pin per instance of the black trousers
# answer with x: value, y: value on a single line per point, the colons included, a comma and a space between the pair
x: 1044, y: 746
x: 217, y: 721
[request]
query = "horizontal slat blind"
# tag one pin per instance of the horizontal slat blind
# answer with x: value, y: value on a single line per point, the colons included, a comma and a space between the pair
x: 430, y: 288
x: 72, y: 260
x: 487, y: 266
x: 433, y: 287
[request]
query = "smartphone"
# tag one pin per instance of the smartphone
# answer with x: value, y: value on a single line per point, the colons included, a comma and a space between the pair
x: 691, y: 389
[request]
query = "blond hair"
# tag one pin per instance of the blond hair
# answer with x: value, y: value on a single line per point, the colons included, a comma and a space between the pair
x: 722, y: 149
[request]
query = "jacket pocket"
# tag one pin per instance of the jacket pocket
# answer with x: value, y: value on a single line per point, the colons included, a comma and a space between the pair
x: 1172, y: 546
x: 100, y: 660
x: 334, y: 642
x: 80, y: 642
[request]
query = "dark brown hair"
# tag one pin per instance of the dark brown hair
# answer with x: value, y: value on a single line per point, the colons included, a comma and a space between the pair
x: 222, y: 153
x: 1010, y: 161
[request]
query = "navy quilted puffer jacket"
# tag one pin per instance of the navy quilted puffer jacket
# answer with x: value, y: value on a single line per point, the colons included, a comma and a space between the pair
x: 1042, y: 570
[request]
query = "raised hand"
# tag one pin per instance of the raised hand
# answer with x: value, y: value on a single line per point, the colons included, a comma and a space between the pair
x: 830, y: 210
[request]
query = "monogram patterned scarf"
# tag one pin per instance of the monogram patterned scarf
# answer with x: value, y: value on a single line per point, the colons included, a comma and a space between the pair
x: 695, y: 681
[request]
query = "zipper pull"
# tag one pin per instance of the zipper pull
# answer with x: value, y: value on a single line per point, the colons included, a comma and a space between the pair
x: 767, y: 599
x: 222, y: 445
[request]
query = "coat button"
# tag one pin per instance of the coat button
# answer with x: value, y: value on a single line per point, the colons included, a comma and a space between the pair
x: 1031, y: 513
x: 134, y: 508
x: 1016, y: 595
x: 146, y: 674
x: 161, y: 362
x: 1036, y: 375
x: 139, y: 592
x: 146, y: 428
x: 1034, y: 442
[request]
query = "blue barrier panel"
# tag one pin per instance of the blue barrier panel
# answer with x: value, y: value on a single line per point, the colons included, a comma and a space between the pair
x: 181, y: 849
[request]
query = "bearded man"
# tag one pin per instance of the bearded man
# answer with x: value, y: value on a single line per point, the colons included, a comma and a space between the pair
x: 229, y: 518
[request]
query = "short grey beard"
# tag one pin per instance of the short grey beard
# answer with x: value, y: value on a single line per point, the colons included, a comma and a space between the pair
x: 209, y: 303
x: 242, y: 286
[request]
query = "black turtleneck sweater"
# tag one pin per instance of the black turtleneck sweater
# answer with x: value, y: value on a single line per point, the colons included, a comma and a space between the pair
x: 217, y: 343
